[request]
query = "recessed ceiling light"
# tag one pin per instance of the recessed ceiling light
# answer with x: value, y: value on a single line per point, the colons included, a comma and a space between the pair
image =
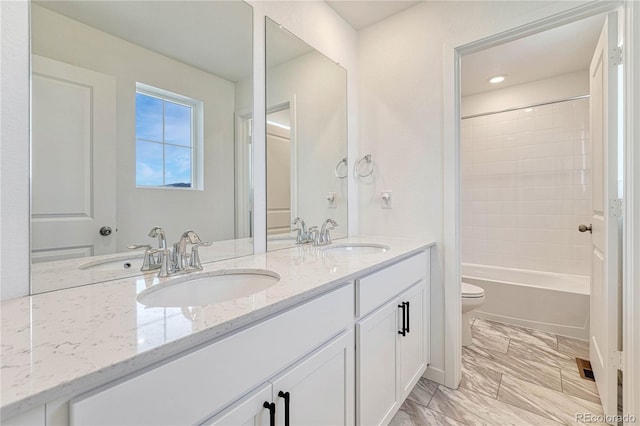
x: 497, y: 79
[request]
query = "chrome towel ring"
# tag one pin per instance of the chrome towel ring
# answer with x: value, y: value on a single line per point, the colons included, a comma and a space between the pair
x: 337, y: 172
x: 357, y: 168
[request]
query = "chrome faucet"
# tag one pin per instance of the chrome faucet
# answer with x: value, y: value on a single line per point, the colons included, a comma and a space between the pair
x: 302, y: 237
x: 187, y: 261
x: 158, y: 232
x: 151, y: 261
x: 176, y: 261
x: 324, y: 236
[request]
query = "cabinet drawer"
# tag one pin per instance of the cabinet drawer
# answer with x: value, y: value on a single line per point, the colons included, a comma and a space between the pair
x: 192, y: 387
x: 379, y: 287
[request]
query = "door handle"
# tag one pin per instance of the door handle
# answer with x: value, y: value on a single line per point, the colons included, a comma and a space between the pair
x: 287, y: 399
x: 408, y: 316
x: 271, y: 406
x: 404, y: 319
x: 585, y: 228
x: 105, y: 231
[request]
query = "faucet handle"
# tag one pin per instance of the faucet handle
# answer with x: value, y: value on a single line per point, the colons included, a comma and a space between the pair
x: 163, y: 262
x: 195, y: 256
x: 149, y: 261
x: 314, y: 235
x: 139, y: 246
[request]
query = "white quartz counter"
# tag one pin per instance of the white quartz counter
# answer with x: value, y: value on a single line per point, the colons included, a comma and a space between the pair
x: 64, y: 342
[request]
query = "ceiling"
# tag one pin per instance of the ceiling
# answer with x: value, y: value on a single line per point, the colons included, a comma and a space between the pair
x: 361, y: 14
x: 554, y: 52
x: 176, y: 29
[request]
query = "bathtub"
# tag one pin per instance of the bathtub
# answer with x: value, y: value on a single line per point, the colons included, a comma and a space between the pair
x: 556, y: 303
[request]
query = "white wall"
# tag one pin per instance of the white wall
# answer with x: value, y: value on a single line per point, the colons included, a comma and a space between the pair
x: 318, y: 86
x: 546, y: 90
x: 210, y: 211
x: 401, y: 104
x: 526, y: 186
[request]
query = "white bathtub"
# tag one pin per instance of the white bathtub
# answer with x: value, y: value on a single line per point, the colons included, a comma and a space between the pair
x: 556, y: 303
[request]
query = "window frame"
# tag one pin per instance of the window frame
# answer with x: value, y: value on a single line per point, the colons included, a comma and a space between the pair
x: 197, y: 140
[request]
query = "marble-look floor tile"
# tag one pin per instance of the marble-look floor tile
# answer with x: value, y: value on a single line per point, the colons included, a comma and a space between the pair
x: 478, y: 378
x: 412, y: 414
x: 543, y: 354
x: 486, y: 337
x: 541, y: 374
x: 574, y: 385
x: 423, y: 391
x: 543, y: 401
x: 532, y: 337
x: 573, y: 347
x: 474, y: 408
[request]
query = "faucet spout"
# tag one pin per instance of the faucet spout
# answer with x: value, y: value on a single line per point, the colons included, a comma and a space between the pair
x: 303, y: 234
x: 156, y: 231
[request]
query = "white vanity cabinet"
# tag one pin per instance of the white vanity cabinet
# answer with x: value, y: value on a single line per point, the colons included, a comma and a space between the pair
x: 347, y: 355
x: 319, y: 390
x: 392, y: 341
x: 198, y: 384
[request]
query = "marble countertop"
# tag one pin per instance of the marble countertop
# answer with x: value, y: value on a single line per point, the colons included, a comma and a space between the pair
x: 48, y: 276
x: 65, y: 342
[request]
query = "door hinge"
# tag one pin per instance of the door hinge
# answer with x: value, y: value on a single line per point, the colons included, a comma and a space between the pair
x: 615, y: 56
x: 617, y: 360
x: 615, y: 207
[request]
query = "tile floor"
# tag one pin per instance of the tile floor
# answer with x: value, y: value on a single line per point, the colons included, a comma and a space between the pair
x: 510, y: 376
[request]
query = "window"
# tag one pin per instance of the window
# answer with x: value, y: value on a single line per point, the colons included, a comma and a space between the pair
x: 168, y: 139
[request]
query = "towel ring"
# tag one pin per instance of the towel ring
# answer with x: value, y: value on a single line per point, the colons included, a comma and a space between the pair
x: 357, y: 167
x: 337, y: 173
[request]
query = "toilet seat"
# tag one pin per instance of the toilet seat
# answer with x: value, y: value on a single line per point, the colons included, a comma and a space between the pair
x: 470, y: 291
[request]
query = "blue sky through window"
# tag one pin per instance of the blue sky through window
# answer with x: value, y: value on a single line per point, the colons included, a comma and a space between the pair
x: 163, y: 142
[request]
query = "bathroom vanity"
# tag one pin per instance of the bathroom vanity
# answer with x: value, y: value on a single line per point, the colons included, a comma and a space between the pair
x: 342, y: 338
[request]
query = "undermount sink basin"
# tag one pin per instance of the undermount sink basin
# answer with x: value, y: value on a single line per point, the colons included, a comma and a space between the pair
x: 207, y: 289
x: 357, y: 248
x: 129, y: 263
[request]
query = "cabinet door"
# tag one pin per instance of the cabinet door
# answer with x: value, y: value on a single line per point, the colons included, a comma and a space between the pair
x: 377, y: 336
x: 321, y: 387
x: 249, y: 411
x: 411, y: 348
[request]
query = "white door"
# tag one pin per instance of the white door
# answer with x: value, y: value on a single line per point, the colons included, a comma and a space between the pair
x: 320, y: 390
x: 376, y: 375
x: 250, y: 411
x: 411, y: 358
x: 278, y: 180
x: 73, y: 161
x: 605, y: 221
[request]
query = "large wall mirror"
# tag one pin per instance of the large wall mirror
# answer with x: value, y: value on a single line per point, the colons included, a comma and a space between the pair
x: 141, y: 117
x: 306, y: 141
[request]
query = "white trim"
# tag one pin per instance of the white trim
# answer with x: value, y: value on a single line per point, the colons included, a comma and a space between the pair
x: 631, y: 237
x: 434, y: 374
x: 451, y: 225
x: 242, y: 174
x: 259, y: 140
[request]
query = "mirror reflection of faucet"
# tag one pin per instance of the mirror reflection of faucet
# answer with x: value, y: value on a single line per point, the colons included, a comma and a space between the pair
x: 171, y: 262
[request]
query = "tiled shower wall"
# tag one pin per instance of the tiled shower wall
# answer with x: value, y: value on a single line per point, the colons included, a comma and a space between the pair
x: 526, y: 186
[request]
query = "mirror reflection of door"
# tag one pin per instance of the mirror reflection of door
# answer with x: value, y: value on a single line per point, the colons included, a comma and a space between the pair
x: 279, y: 153
x: 73, y: 161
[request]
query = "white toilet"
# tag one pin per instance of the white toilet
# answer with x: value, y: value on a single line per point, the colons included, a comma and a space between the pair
x: 472, y: 298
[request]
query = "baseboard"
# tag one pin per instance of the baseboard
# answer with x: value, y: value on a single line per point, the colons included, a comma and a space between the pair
x: 434, y: 374
x: 561, y: 330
